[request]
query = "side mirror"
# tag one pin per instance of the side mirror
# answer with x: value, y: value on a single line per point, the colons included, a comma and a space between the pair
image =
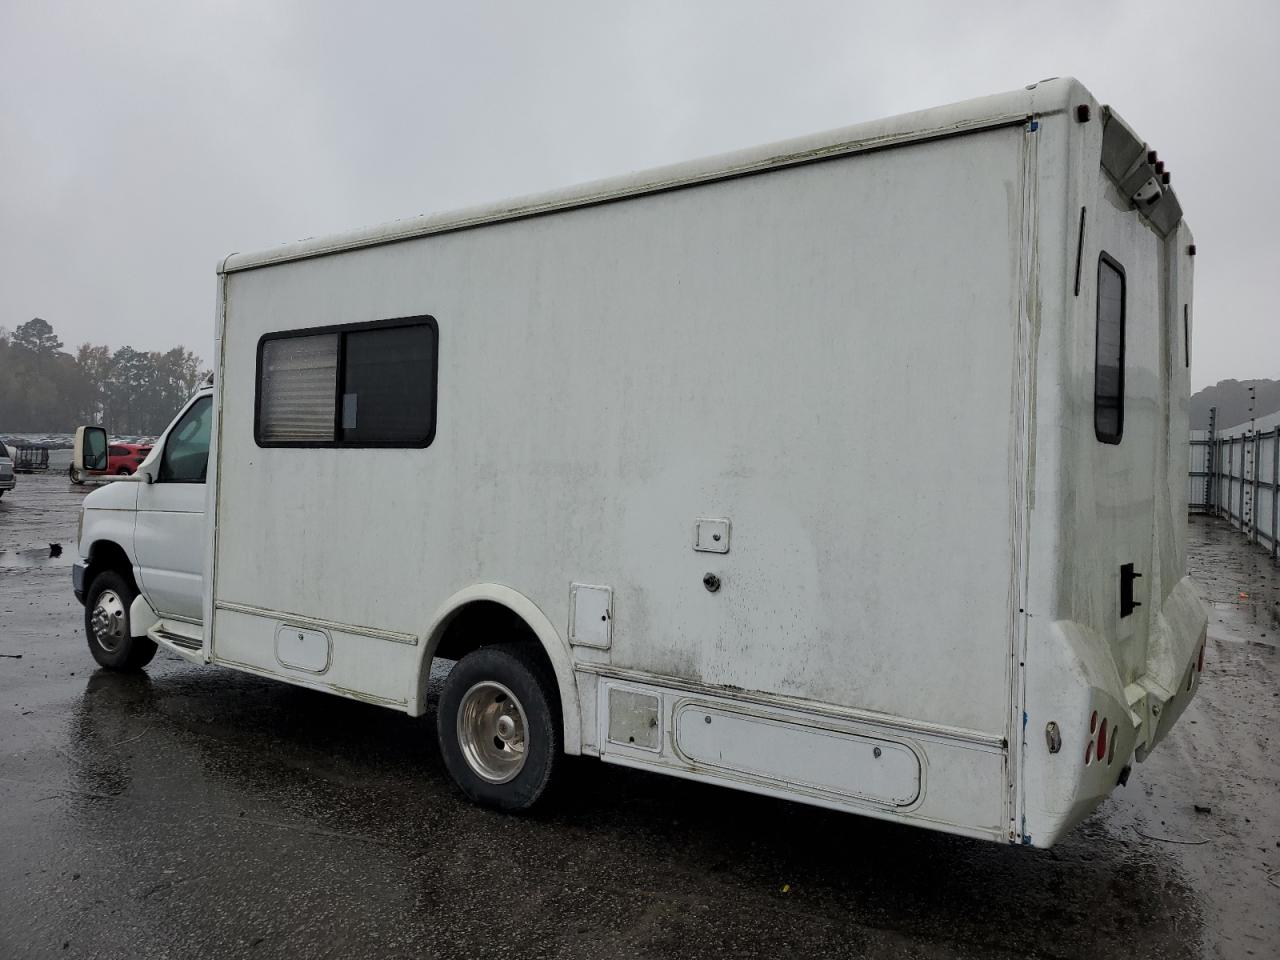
x: 90, y: 452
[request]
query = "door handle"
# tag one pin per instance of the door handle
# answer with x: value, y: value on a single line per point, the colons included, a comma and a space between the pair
x: 1127, y: 576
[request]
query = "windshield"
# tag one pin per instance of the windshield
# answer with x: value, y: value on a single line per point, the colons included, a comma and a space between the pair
x: 3, y: 451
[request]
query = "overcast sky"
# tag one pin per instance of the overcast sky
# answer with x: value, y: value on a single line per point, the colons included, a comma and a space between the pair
x: 141, y: 142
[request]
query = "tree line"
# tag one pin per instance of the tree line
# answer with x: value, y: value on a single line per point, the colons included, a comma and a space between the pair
x: 45, y: 389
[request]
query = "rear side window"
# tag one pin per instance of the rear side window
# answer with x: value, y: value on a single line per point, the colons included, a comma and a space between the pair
x: 1108, y: 369
x: 357, y: 385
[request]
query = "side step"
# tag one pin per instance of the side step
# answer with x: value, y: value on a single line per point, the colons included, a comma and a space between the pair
x: 184, y: 639
x: 178, y: 641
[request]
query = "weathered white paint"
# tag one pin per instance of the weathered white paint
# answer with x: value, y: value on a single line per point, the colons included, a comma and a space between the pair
x: 923, y: 265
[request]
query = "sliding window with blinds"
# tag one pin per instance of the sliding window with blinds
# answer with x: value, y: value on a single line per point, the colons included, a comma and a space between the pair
x: 296, y: 388
x: 357, y: 385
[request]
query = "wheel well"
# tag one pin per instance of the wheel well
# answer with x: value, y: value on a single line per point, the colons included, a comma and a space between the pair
x: 105, y: 555
x: 489, y: 613
x: 482, y: 623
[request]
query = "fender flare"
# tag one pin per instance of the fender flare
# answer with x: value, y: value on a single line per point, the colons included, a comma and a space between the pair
x: 556, y: 647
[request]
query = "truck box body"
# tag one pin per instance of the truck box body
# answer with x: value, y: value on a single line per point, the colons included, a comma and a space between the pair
x: 790, y: 459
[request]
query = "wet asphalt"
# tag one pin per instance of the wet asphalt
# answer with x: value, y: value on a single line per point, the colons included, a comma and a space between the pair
x: 198, y: 812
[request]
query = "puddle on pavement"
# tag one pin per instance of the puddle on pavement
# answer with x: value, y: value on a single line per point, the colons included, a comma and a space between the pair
x: 43, y: 555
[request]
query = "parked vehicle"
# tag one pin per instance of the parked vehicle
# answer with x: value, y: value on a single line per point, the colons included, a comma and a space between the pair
x: 8, y: 477
x: 123, y: 458
x: 629, y: 454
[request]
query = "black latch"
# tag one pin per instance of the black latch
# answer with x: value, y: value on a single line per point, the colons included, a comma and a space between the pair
x: 1127, y: 576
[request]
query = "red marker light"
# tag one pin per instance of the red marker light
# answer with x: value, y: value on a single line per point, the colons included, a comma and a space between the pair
x: 1093, y: 722
x: 1102, y: 739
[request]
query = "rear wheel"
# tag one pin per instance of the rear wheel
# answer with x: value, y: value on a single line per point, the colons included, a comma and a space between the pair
x: 499, y: 726
x: 106, y: 624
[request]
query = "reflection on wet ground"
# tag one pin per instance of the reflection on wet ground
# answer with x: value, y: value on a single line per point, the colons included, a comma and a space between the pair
x: 50, y: 555
x: 199, y: 812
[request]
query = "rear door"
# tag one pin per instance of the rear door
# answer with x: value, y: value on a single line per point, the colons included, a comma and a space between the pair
x: 1127, y: 416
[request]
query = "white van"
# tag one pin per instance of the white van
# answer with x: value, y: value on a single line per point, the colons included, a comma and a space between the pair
x: 848, y: 469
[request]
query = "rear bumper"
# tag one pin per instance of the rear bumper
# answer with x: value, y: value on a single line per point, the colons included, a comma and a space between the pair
x: 9, y: 482
x: 79, y: 579
x: 1158, y: 697
x: 1073, y: 683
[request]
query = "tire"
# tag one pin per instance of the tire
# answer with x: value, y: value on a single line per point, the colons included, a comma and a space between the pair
x: 109, y: 640
x: 479, y: 729
x: 123, y: 472
x: 75, y: 477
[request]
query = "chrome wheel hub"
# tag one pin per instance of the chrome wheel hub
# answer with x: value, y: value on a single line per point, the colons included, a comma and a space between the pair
x: 491, y: 731
x: 108, y: 620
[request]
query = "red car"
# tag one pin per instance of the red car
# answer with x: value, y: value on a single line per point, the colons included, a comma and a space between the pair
x: 123, y: 458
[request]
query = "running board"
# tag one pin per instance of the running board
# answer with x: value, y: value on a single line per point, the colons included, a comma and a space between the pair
x: 176, y: 640
x: 188, y: 647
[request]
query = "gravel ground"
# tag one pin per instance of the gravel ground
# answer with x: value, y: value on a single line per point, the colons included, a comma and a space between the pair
x: 197, y: 812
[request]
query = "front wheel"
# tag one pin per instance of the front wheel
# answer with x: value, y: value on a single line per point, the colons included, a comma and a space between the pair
x: 499, y: 726
x: 106, y: 623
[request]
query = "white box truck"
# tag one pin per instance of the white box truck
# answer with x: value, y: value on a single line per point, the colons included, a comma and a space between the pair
x: 848, y: 469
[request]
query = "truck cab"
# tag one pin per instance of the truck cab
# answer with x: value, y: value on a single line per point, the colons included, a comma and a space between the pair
x: 141, y: 543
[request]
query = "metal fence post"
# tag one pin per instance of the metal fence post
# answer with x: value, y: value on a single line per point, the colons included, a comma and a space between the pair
x: 1240, y: 515
x: 1253, y: 497
x: 1275, y: 492
x: 1217, y: 480
x: 1210, y: 459
x: 1231, y: 478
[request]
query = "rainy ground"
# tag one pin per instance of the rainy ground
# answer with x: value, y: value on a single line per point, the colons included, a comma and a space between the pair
x: 197, y: 812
